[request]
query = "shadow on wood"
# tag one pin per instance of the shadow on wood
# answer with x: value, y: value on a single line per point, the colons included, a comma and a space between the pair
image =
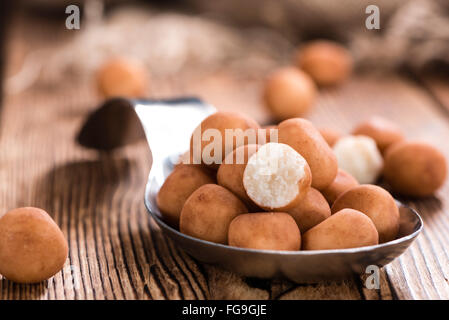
x: 85, y: 184
x: 35, y: 291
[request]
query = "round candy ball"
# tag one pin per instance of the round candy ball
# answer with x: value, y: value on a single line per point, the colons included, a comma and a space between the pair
x: 32, y: 247
x: 208, y: 212
x: 178, y: 186
x: 377, y: 204
x: 327, y: 62
x: 342, y: 183
x: 265, y: 231
x: 383, y: 131
x: 415, y: 168
x: 122, y: 77
x: 301, y: 135
x: 289, y: 93
x: 219, y: 134
x: 312, y: 210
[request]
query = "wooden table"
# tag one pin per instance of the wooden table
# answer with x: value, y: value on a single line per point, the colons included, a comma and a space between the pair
x: 117, y: 251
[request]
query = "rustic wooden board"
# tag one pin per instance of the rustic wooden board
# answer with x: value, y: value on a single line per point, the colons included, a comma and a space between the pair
x: 117, y: 251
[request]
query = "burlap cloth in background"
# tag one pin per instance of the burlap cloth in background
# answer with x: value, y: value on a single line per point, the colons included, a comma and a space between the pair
x: 413, y: 32
x: 250, y: 36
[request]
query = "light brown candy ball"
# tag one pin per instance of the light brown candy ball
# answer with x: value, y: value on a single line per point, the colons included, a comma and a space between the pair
x: 289, y: 93
x: 122, y: 77
x: 377, y: 204
x: 415, y: 168
x: 312, y: 210
x: 271, y: 134
x: 302, y: 136
x: 330, y: 135
x: 178, y: 186
x: 183, y: 158
x: 342, y: 183
x: 345, y: 229
x: 32, y: 247
x: 241, y: 130
x: 266, y: 231
x: 384, y: 132
x: 208, y: 212
x: 327, y: 62
x: 230, y: 173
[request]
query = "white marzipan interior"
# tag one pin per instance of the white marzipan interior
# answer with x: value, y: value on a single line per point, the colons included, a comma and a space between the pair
x: 272, y: 175
x: 359, y: 156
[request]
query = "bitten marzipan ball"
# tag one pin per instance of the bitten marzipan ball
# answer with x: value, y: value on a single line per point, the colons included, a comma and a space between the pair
x: 289, y: 93
x: 359, y: 156
x: 122, y: 77
x: 377, y: 203
x: 383, y: 131
x: 208, y: 212
x: 32, y: 247
x: 415, y: 168
x: 276, y: 177
x: 265, y: 231
x: 328, y: 63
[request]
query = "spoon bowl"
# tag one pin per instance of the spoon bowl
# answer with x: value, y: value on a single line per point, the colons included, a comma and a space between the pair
x: 298, y: 266
x: 167, y: 125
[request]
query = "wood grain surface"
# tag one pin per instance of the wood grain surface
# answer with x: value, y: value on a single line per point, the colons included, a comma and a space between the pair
x: 117, y: 251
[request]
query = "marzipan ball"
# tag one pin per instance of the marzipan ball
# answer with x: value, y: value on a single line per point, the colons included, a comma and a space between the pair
x: 415, y: 168
x: 122, y: 77
x: 301, y: 135
x: 377, y: 204
x: 183, y: 158
x: 345, y: 229
x: 32, y: 247
x: 383, y: 131
x: 178, y: 186
x: 230, y: 173
x: 208, y: 212
x: 241, y: 130
x: 289, y: 93
x: 342, y: 183
x: 271, y: 133
x: 331, y: 136
x: 312, y: 210
x: 359, y: 156
x: 265, y: 231
x: 276, y: 177
x: 328, y: 63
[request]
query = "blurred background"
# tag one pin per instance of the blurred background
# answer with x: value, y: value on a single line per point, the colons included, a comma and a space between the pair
x: 201, y: 47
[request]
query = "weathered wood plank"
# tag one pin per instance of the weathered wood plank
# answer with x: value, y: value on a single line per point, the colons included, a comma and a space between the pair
x: 117, y: 251
x: 344, y: 290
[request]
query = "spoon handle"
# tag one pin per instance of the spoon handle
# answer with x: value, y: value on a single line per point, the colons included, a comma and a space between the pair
x: 168, y: 126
